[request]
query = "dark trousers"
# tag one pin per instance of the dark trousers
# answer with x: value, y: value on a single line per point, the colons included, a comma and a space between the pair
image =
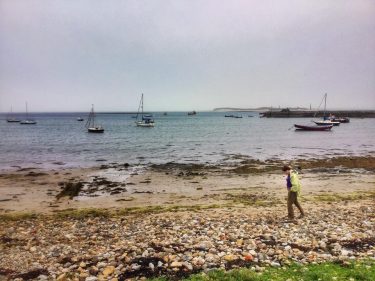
x: 293, y: 199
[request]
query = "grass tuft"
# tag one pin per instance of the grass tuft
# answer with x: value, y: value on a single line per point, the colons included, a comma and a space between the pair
x: 355, y: 271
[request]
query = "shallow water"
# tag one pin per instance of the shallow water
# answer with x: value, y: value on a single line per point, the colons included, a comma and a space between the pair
x: 208, y: 137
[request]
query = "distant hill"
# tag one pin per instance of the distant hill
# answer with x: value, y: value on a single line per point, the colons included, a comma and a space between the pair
x: 255, y: 109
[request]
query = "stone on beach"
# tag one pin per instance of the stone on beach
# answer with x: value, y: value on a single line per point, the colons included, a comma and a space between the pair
x: 175, y: 243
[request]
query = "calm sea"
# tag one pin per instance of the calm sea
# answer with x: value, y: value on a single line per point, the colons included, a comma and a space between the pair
x: 208, y: 137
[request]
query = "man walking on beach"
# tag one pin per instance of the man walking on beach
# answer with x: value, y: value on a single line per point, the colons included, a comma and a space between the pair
x: 294, y: 189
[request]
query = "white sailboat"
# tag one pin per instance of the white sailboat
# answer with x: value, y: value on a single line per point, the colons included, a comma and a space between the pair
x: 28, y: 121
x: 145, y: 120
x: 11, y: 118
x: 90, y: 124
x: 326, y: 121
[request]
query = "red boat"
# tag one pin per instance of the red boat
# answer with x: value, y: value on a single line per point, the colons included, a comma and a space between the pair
x: 313, y: 128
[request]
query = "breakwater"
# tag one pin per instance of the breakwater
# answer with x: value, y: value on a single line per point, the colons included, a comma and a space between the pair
x: 285, y: 113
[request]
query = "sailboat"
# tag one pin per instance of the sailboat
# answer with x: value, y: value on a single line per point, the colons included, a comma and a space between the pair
x: 145, y: 120
x: 90, y: 124
x: 11, y: 119
x: 27, y: 121
x: 326, y: 121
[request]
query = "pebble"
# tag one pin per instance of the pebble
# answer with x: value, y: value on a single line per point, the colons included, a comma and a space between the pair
x: 102, y: 248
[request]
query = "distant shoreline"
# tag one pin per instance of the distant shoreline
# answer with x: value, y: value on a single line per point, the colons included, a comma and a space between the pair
x: 285, y: 113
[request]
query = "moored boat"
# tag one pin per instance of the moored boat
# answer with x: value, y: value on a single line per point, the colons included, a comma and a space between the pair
x: 28, y: 121
x: 146, y: 121
x: 90, y: 124
x: 313, y: 128
x: 11, y: 118
x: 341, y: 120
x: 96, y: 129
x: 327, y: 122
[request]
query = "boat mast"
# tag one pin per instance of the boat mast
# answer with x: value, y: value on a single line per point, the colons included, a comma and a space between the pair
x: 93, y: 115
x: 27, y: 113
x: 325, y: 99
x: 142, y: 105
x: 90, y: 119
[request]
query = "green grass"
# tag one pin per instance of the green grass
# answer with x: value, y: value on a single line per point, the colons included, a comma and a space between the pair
x: 356, y: 271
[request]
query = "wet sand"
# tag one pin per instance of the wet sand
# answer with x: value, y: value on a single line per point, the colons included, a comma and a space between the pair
x: 246, y: 182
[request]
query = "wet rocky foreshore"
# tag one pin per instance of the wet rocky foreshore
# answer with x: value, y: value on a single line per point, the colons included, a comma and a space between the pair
x: 177, y: 244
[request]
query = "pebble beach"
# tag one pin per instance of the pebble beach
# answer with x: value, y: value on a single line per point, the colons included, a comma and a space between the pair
x: 177, y: 244
x: 175, y: 220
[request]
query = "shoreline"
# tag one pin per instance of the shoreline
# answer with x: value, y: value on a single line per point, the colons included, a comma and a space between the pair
x: 175, y: 220
x: 172, y: 184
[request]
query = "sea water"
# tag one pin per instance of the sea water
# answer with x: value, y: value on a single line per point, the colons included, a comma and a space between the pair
x: 58, y: 139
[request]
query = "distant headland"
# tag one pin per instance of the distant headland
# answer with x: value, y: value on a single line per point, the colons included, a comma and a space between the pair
x: 260, y: 109
x: 272, y: 112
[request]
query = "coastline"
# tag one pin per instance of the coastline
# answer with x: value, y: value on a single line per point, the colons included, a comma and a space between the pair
x: 125, y: 186
x: 175, y: 220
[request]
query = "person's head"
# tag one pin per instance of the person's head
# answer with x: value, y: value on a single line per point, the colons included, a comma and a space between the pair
x: 286, y: 169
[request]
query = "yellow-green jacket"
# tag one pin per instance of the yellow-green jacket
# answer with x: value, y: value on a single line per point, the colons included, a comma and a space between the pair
x: 296, y: 185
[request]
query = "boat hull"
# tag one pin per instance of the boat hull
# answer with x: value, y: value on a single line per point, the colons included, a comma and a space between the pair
x: 342, y: 120
x: 95, y: 130
x: 28, y: 122
x: 145, y: 125
x: 313, y: 128
x: 325, y: 123
x: 13, y: 121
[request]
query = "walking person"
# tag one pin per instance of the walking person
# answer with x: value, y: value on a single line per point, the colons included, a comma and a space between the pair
x: 294, y: 189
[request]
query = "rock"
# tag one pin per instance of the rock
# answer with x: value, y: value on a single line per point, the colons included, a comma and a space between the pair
x: 83, y: 276
x: 91, y: 278
x: 253, y: 253
x: 93, y: 270
x: 275, y: 264
x: 322, y: 245
x: 62, y: 277
x: 248, y: 257
x: 176, y: 264
x: 188, y: 266
x: 230, y: 257
x: 108, y: 270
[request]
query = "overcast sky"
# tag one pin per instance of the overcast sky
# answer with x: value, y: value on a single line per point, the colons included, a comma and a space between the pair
x: 186, y: 55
